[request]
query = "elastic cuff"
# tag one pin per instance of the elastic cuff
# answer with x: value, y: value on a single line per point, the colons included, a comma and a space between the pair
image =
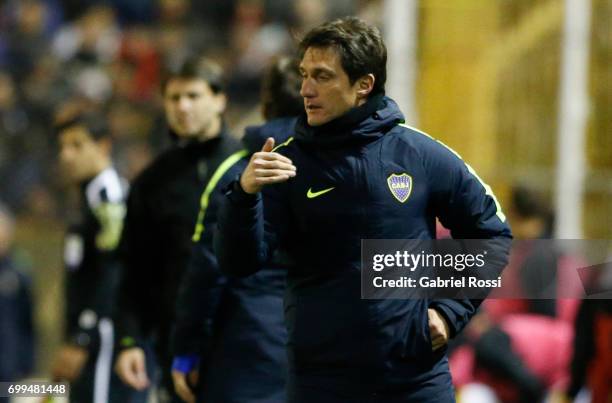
x: 237, y: 195
x: 185, y: 363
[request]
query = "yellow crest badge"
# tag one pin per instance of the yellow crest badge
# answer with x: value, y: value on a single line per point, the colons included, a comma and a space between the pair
x: 400, y: 186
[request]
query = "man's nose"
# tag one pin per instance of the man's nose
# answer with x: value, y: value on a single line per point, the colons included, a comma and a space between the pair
x: 307, y: 90
x: 184, y: 103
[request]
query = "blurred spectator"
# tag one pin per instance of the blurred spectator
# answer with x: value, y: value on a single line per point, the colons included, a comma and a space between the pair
x: 111, y: 54
x: 591, y: 365
x: 16, y: 327
x: 93, y: 37
x: 532, y: 268
x: 520, y: 348
x: 139, y: 57
x: 371, y: 10
x: 189, y: 27
x: 28, y: 26
x: 519, y: 358
x: 530, y: 215
x: 22, y: 146
x: 308, y: 14
x: 537, y: 268
x: 92, y: 268
x: 261, y: 29
x: 253, y: 42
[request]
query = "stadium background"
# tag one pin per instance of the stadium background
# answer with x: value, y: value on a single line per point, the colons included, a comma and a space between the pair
x: 487, y: 83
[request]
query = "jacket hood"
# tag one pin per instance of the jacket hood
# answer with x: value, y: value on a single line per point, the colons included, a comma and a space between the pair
x: 280, y: 129
x: 364, y: 123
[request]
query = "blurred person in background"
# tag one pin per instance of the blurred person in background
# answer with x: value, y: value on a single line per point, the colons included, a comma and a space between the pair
x: 536, y: 267
x: 239, y: 357
x: 16, y: 325
x: 162, y: 210
x: 23, y: 146
x: 92, y: 38
x: 591, y: 365
x: 29, y: 25
x: 520, y: 348
x: 520, y: 358
x: 92, y: 267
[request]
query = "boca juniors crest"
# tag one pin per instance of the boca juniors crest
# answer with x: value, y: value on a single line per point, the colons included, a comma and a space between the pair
x: 400, y: 186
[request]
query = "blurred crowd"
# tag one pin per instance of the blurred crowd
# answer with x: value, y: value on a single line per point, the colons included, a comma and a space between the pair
x: 58, y: 53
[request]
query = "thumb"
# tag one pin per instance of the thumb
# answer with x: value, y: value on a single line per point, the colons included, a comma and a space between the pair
x: 269, y: 145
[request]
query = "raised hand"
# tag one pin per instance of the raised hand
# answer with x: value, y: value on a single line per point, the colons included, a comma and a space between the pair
x: 266, y: 167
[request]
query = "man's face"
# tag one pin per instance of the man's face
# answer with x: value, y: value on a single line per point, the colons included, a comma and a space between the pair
x: 81, y: 157
x: 192, y: 109
x: 326, y: 89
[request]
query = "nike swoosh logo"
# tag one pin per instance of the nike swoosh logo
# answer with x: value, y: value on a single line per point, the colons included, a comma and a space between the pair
x: 312, y: 195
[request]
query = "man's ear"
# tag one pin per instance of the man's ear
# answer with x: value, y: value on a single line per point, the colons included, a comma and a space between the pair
x: 366, y: 84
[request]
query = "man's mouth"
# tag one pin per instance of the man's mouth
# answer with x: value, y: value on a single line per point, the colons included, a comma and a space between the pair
x: 311, y: 108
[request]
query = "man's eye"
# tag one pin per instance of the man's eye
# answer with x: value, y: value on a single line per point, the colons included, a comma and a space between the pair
x: 193, y: 95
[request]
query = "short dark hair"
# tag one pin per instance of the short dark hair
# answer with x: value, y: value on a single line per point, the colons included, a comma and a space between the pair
x: 198, y: 68
x: 528, y: 203
x: 280, y: 89
x: 95, y: 123
x: 360, y: 47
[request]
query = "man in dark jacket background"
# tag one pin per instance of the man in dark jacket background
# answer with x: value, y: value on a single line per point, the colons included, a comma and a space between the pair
x: 320, y: 193
x: 161, y: 213
x: 243, y: 360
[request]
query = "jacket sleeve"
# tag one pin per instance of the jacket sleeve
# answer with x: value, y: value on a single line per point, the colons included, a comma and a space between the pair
x: 138, y: 255
x: 90, y: 290
x: 250, y: 227
x: 468, y: 208
x: 202, y: 284
x: 199, y: 294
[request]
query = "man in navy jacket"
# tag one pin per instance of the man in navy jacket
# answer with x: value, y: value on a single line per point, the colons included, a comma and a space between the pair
x: 242, y: 358
x: 320, y: 193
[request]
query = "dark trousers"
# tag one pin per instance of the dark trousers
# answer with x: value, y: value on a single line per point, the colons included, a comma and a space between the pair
x: 98, y: 382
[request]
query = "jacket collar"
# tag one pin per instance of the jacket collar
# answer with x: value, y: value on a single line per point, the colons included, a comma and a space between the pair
x: 280, y: 129
x: 364, y: 123
x: 195, y: 148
